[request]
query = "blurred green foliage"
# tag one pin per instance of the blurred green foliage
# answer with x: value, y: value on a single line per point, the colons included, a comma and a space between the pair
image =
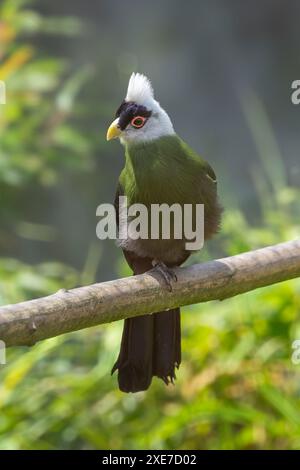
x: 237, y: 387
x: 36, y: 123
x: 36, y: 129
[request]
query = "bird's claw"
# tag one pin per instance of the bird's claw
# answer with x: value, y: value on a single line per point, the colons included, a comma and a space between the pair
x: 168, y: 274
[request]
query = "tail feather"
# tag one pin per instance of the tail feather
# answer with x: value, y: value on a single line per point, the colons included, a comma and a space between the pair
x: 167, y: 344
x: 151, y: 346
x: 135, y: 359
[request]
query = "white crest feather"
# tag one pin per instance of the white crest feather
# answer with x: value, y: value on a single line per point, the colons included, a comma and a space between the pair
x: 159, y: 124
x: 139, y: 90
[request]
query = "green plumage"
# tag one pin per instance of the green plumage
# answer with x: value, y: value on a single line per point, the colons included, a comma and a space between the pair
x: 167, y: 170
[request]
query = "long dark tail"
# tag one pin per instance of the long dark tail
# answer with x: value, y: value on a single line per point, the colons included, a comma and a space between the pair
x: 151, y: 346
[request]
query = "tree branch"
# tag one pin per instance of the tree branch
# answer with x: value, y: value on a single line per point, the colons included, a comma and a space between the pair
x: 28, y: 322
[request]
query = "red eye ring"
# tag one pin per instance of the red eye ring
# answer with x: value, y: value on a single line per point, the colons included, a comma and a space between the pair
x: 138, y: 121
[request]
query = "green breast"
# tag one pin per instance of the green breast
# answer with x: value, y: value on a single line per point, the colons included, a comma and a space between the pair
x: 166, y: 171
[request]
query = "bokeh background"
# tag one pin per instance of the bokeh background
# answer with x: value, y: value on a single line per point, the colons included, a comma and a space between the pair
x: 223, y: 70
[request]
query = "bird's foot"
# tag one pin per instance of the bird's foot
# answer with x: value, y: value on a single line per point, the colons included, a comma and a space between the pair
x: 168, y: 274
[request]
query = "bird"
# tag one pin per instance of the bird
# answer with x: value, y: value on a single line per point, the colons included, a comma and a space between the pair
x: 160, y: 168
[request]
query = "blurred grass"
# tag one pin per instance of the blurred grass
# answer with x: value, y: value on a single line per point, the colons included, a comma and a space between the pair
x: 237, y: 387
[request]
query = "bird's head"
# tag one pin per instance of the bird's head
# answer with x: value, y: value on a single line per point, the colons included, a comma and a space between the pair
x: 140, y: 117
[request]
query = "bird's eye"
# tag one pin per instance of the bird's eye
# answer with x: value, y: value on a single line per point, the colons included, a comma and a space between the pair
x: 138, y: 122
